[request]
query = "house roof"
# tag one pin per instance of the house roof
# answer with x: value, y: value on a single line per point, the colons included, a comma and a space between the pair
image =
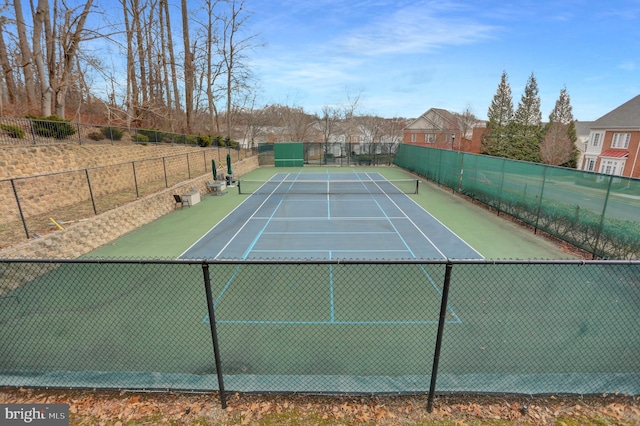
x: 625, y: 116
x: 614, y: 153
x: 434, y: 119
x: 583, y: 128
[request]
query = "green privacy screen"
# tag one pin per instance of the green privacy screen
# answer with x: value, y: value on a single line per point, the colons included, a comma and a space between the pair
x: 288, y: 154
x: 593, y: 211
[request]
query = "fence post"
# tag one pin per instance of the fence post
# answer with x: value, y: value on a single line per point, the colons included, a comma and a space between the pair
x: 164, y: 166
x: 539, y: 206
x: 24, y: 222
x: 33, y: 131
x: 436, y: 354
x: 214, y: 334
x: 135, y: 178
x: 601, y: 224
x: 188, y: 167
x: 504, y: 165
x: 93, y: 202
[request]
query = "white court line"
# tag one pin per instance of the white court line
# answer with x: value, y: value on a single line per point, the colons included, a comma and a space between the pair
x: 435, y: 219
x: 409, y: 219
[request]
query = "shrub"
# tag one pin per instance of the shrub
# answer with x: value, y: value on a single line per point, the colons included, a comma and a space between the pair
x: 204, y: 141
x: 153, y: 135
x: 112, y: 133
x: 142, y: 138
x: 191, y: 140
x: 171, y: 138
x: 52, y: 127
x: 13, y: 130
x: 95, y: 136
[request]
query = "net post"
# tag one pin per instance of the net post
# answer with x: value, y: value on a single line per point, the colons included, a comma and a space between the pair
x: 214, y: 334
x: 436, y: 354
x: 417, y: 185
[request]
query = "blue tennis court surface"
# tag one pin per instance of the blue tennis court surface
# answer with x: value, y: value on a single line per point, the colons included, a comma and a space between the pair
x: 325, y: 216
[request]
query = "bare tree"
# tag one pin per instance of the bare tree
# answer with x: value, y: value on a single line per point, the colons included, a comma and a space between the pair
x: 466, y: 121
x: 233, y: 47
x: 557, y: 148
x: 164, y: 11
x: 26, y: 56
x: 209, y: 62
x: 256, y: 122
x: 329, y: 122
x: 42, y: 22
x: 188, y: 66
x: 70, y: 36
x: 349, y: 111
x: 131, y: 15
x: 297, y: 123
x: 5, y: 66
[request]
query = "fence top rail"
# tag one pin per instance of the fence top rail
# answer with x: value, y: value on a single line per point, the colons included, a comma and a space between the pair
x: 103, y: 167
x: 325, y: 262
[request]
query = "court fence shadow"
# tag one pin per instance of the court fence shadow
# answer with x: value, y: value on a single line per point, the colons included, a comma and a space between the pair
x: 322, y: 327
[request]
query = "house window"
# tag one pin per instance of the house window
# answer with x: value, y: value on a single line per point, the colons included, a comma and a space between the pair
x: 621, y: 140
x: 429, y: 138
x: 596, y: 139
x: 611, y: 167
x: 413, y: 137
x: 591, y: 165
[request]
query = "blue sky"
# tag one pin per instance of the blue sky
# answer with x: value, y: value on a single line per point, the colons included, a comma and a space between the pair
x: 404, y: 57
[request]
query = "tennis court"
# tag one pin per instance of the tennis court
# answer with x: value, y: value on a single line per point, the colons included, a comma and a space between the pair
x: 350, y: 215
x: 332, y: 324
x: 320, y: 216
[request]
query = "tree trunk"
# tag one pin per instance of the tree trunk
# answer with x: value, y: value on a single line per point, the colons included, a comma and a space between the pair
x: 212, y: 67
x: 188, y: 67
x: 140, y: 46
x: 26, y: 57
x: 172, y: 59
x: 40, y: 20
x: 7, y: 70
x: 132, y: 82
x: 69, y: 47
x: 164, y: 50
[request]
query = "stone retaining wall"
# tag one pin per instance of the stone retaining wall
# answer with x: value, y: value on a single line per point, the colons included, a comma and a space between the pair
x: 84, y: 236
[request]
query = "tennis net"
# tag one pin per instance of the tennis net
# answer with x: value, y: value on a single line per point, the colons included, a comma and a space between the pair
x: 398, y: 186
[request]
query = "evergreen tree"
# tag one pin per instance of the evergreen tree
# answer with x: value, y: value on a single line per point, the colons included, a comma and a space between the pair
x: 526, y: 125
x: 562, y: 112
x: 501, y: 110
x: 500, y: 115
x: 528, y: 115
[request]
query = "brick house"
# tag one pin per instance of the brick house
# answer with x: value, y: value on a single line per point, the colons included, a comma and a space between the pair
x: 613, y: 146
x: 439, y: 128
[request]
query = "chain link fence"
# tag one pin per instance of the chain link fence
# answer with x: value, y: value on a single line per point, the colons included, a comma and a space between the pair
x: 337, y: 154
x: 332, y: 327
x: 42, y: 131
x: 30, y: 203
x: 594, y: 212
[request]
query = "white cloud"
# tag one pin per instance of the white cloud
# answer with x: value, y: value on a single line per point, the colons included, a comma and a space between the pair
x: 413, y: 30
x: 628, y: 66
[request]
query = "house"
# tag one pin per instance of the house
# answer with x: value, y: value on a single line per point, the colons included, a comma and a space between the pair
x: 439, y: 128
x: 582, y: 138
x: 613, y: 146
